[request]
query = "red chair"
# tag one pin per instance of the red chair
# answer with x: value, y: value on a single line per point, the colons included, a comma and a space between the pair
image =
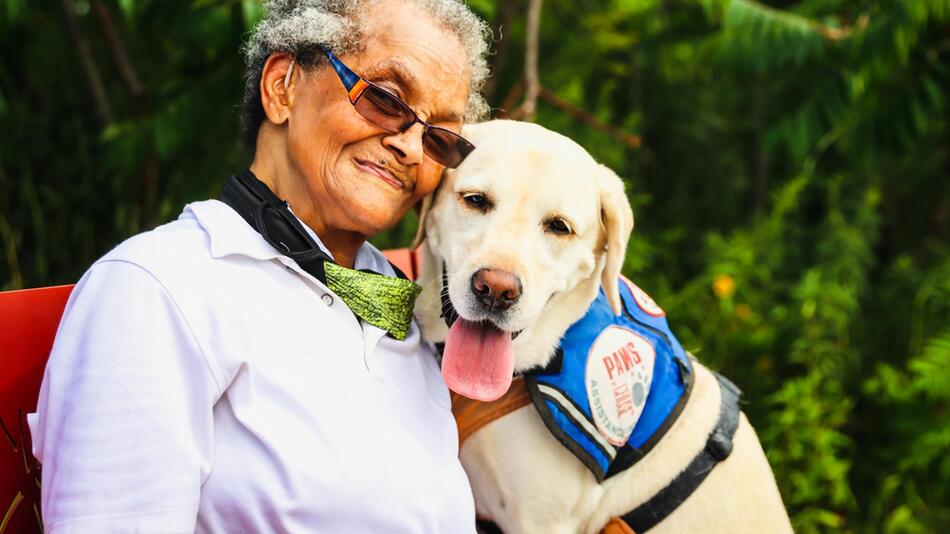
x: 28, y: 322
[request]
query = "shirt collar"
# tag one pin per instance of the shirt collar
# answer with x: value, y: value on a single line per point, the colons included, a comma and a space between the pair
x: 229, y: 234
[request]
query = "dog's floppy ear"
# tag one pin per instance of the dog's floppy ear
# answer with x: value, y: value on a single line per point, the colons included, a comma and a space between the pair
x: 617, y: 221
x: 424, y: 206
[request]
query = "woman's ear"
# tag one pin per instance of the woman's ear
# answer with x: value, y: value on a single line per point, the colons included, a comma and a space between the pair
x: 617, y: 224
x: 278, y: 82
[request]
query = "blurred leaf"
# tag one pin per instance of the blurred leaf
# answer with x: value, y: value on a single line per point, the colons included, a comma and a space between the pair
x: 127, y: 7
x: 253, y: 10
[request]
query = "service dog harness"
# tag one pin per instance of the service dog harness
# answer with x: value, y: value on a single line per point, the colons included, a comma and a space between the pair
x: 614, y: 387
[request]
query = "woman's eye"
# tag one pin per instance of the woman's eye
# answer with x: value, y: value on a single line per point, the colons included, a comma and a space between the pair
x: 476, y: 201
x: 558, y: 226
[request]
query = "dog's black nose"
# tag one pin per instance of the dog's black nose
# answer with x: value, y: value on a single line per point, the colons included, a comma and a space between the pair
x: 497, y: 290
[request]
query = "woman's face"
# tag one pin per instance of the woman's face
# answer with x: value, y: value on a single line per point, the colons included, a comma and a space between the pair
x: 360, y: 178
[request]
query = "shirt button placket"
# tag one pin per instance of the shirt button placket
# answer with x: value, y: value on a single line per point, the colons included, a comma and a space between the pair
x: 327, y: 299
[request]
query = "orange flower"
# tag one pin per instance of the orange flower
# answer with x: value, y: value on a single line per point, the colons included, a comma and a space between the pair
x: 724, y: 286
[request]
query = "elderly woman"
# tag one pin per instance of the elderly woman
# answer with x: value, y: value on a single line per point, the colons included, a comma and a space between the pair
x: 241, y: 369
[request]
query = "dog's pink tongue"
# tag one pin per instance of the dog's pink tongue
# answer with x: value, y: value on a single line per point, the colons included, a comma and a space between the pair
x: 478, y: 360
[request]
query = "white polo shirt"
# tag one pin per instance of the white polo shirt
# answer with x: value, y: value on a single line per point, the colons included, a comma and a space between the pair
x: 200, y: 381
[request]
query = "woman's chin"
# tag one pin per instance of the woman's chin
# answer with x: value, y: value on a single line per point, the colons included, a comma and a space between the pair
x: 372, y: 204
x: 378, y: 217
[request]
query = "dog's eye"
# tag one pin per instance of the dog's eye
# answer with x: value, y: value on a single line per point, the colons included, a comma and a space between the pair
x: 477, y: 201
x: 558, y: 226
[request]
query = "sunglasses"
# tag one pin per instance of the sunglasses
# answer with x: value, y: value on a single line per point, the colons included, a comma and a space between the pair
x: 385, y: 110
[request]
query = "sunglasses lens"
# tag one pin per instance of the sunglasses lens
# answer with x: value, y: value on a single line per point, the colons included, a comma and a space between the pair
x: 446, y: 147
x: 384, y: 110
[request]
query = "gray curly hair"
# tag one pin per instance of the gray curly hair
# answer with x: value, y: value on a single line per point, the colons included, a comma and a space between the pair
x: 301, y: 27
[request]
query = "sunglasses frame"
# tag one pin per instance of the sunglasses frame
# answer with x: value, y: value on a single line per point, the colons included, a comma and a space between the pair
x: 356, y: 87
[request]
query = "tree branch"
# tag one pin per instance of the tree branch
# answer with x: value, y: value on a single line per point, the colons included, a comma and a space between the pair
x: 9, y: 247
x: 500, y: 57
x: 514, y: 94
x: 118, y: 49
x: 633, y: 141
x: 831, y: 33
x: 761, y: 166
x: 837, y: 34
x: 532, y: 84
x: 89, y: 67
x: 150, y: 171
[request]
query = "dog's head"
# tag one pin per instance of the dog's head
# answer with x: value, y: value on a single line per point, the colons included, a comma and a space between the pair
x: 525, y: 230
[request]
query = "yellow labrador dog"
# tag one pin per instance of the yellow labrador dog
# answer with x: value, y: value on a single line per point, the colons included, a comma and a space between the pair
x: 518, y: 242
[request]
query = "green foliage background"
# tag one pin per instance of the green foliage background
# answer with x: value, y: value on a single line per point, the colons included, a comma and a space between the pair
x: 791, y: 191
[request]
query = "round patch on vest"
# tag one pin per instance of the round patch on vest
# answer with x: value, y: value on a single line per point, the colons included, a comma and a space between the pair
x: 619, y: 373
x: 646, y: 302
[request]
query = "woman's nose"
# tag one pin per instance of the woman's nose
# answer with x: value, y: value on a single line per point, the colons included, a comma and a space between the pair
x: 406, y: 145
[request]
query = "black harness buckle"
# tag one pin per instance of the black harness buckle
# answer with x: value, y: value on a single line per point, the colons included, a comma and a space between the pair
x: 719, y: 445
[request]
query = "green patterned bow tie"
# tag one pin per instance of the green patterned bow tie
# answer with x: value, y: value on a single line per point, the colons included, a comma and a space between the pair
x: 381, y: 301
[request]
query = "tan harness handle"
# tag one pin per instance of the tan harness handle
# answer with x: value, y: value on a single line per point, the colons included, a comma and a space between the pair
x: 472, y: 415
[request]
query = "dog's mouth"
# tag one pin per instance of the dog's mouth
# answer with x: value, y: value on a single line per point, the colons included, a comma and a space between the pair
x: 478, y: 358
x: 478, y: 361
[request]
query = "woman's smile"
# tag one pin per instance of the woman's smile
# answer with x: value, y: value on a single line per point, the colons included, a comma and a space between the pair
x: 380, y: 172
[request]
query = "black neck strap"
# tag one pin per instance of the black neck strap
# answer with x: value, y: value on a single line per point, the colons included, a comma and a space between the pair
x: 271, y: 217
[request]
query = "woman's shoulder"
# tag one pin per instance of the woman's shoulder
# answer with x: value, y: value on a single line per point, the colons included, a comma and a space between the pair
x: 191, y: 258
x: 181, y: 240
x: 204, y: 232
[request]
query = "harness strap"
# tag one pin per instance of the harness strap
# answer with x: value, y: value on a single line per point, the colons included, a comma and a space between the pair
x: 718, y: 447
x: 471, y: 415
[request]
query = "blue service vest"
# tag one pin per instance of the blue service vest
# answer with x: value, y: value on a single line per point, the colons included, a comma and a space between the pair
x: 605, y: 356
